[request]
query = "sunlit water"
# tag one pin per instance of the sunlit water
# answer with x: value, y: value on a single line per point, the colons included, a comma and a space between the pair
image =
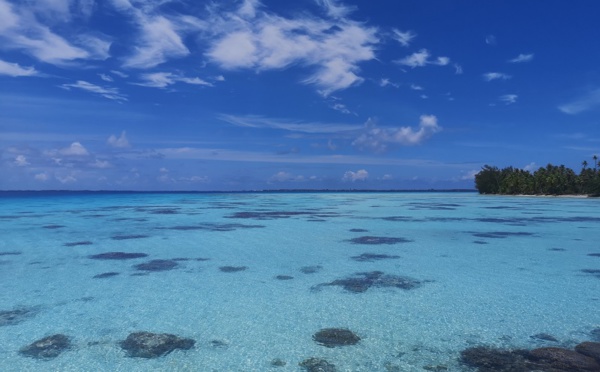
x: 488, y: 271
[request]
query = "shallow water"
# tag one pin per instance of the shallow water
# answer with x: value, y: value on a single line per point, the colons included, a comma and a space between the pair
x: 486, y: 271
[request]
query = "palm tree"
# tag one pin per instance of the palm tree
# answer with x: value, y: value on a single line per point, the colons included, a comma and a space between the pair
x: 595, y: 162
x: 584, y: 164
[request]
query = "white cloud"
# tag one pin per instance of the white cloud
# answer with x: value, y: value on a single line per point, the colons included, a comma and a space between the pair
x: 384, y: 82
x: 421, y: 58
x: 495, y: 76
x: 15, y: 70
x: 335, y: 9
x: 66, y: 179
x: 164, y: 79
x: 101, y: 164
x: 21, y: 161
x: 403, y: 37
x: 285, y: 177
x: 509, y: 98
x: 458, y: 70
x: 76, y: 149
x: 521, y: 58
x: 531, y: 167
x: 470, y: 175
x: 289, y: 125
x: 41, y: 177
x: 360, y: 175
x: 106, y: 77
x: 110, y: 93
x: 416, y: 87
x: 120, y: 142
x: 490, y: 40
x: 334, y: 48
x: 22, y: 27
x: 586, y: 102
x: 378, y: 139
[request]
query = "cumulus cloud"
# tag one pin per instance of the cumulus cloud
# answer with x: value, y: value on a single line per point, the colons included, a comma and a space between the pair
x: 521, y: 58
x: 403, y: 37
x: 76, y: 149
x: 586, y: 102
x: 470, y: 175
x: 118, y: 142
x: 379, y: 139
x: 164, y: 79
x: 285, y: 177
x: 101, y: 164
x: 21, y: 161
x: 41, y: 177
x: 360, y: 175
x: 421, y: 58
x: 15, y: 70
x: 489, y: 76
x: 106, y: 92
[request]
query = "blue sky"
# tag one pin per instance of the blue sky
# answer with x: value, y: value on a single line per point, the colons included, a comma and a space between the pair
x: 310, y: 94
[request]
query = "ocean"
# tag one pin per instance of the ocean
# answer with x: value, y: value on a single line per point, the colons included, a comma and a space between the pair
x: 251, y: 278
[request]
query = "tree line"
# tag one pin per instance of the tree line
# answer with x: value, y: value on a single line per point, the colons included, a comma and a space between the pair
x: 549, y: 180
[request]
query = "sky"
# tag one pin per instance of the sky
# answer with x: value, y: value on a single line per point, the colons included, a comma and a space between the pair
x: 307, y: 94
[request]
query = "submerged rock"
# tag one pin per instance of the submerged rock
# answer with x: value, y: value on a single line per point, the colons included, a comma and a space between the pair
x: 332, y: 337
x: 317, y: 365
x: 491, y: 359
x: 157, y: 265
x: 47, y: 347
x: 105, y: 275
x: 369, y: 257
x: 117, y: 256
x: 127, y: 237
x: 232, y: 269
x: 284, y: 277
x: 544, y: 337
x: 311, y: 269
x: 361, y: 282
x: 75, y: 244
x: 16, y: 316
x: 154, y: 345
x: 564, y: 359
x: 591, y: 349
x: 375, y: 240
x: 278, y: 362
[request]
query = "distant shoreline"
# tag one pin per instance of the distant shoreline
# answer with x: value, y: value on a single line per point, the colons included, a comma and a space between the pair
x: 275, y: 191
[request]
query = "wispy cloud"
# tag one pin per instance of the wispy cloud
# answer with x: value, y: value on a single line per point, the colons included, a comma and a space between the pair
x: 521, y: 58
x: 164, y: 79
x: 379, y: 139
x: 335, y: 9
x: 384, y: 82
x: 508, y: 98
x: 288, y: 125
x: 110, y: 93
x: 21, y: 28
x: 403, y: 37
x: 491, y: 40
x: 490, y: 76
x: 586, y: 102
x: 15, y: 70
x: 421, y: 58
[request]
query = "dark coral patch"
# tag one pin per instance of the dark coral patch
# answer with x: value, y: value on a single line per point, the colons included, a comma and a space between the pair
x: 157, y: 265
x: 215, y: 227
x: 490, y: 359
x: 311, y: 269
x: 557, y: 249
x: 232, y: 269
x: 481, y: 242
x: 106, y: 275
x: 74, y: 244
x: 369, y: 257
x: 271, y: 215
x: 16, y: 316
x: 154, y: 345
x: 47, y: 347
x: 376, y: 240
x: 11, y: 253
x: 594, y: 254
x: 284, y: 277
x: 127, y: 237
x: 501, y: 234
x: 544, y: 337
x: 53, y: 226
x: 317, y: 365
x: 554, y: 358
x: 117, y: 256
x: 358, y: 230
x: 361, y: 282
x: 332, y: 337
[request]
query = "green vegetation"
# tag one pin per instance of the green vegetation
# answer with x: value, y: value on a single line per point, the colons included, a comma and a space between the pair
x: 549, y: 180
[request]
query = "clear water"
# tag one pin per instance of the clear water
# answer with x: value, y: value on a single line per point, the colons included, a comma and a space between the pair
x: 479, y: 285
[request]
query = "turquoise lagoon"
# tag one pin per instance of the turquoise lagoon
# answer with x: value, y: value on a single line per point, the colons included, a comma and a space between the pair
x: 484, y: 270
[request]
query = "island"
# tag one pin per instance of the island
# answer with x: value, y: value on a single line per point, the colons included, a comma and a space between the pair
x: 548, y: 180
